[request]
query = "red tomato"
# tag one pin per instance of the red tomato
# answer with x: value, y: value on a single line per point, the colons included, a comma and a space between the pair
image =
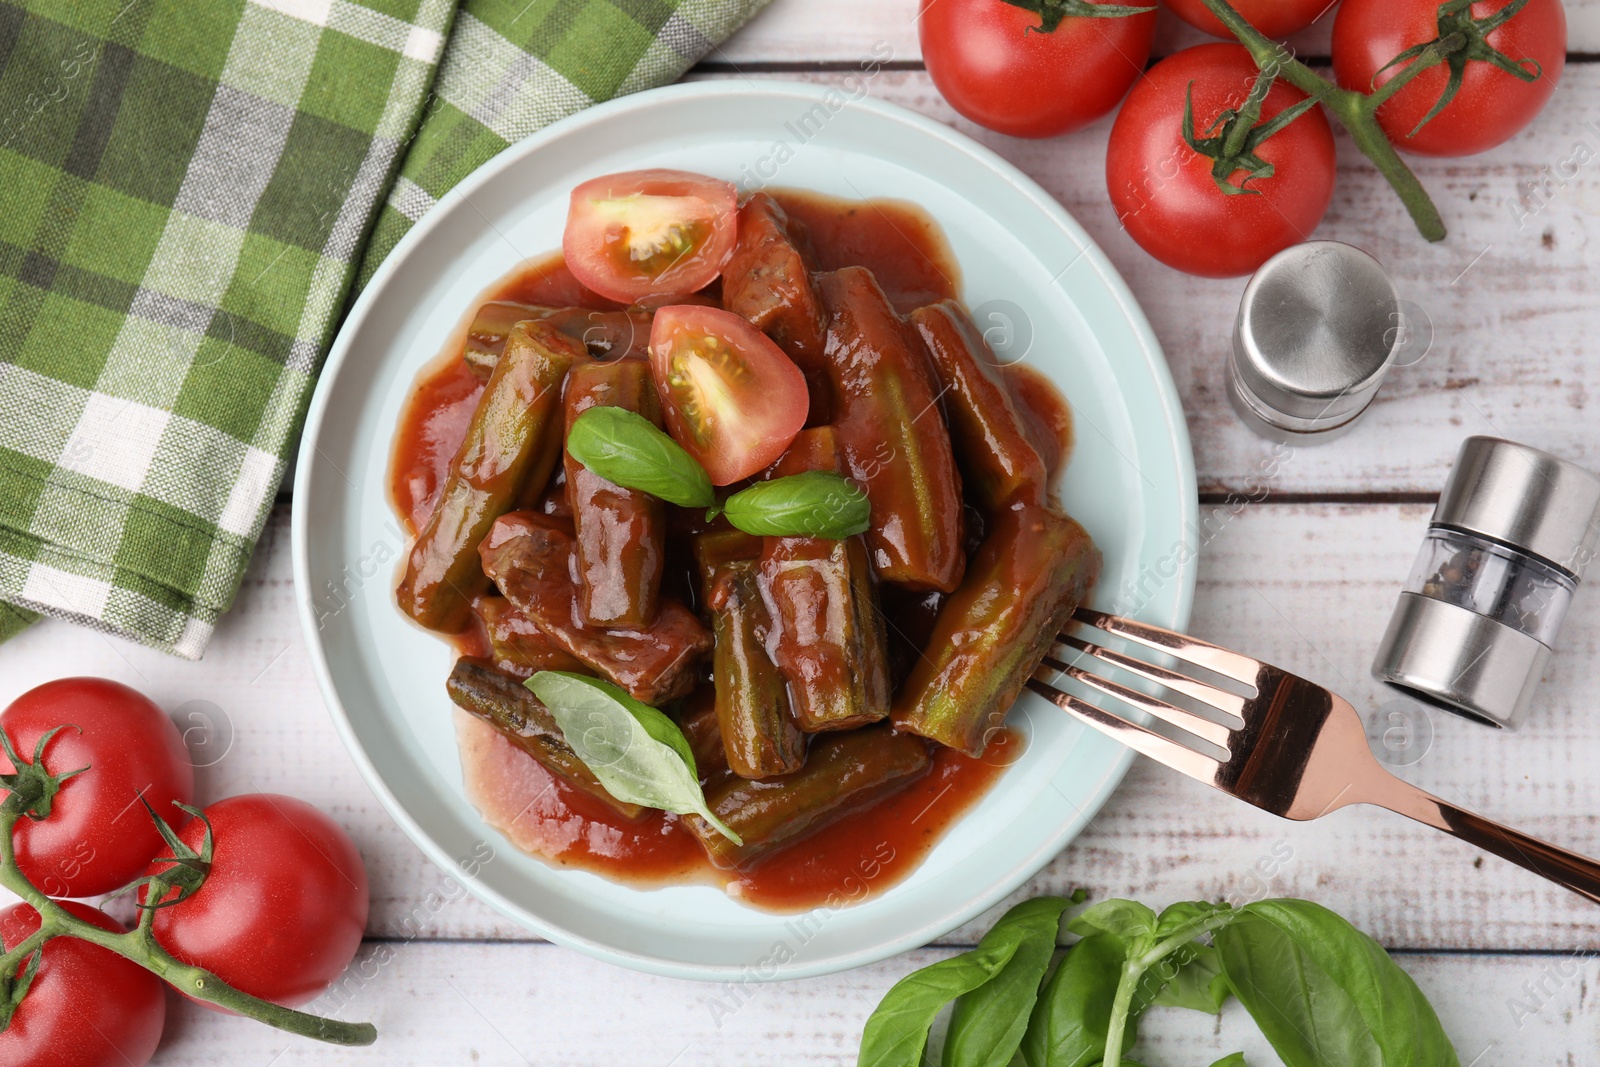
x: 98, y: 837
x: 1163, y: 190
x: 1490, y: 107
x: 87, y: 1007
x: 730, y: 396
x: 998, y: 67
x: 281, y: 914
x: 649, y: 232
x: 1275, y: 18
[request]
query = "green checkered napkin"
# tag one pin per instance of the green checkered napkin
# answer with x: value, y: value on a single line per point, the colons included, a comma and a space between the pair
x: 187, y: 191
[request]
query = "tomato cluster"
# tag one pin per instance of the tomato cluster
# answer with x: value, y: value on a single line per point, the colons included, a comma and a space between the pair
x: 1468, y: 75
x: 278, y: 914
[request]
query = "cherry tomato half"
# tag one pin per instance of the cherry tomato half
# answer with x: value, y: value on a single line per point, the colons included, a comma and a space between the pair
x: 1163, y: 191
x: 996, y: 65
x: 1275, y: 18
x: 282, y: 911
x: 731, y: 397
x: 87, y: 1006
x: 98, y: 836
x: 650, y: 232
x: 1490, y: 107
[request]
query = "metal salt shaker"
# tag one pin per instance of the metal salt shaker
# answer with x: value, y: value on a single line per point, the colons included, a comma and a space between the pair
x: 1312, y: 342
x: 1504, y: 552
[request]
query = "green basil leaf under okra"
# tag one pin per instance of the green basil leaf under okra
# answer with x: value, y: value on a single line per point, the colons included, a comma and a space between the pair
x: 638, y: 753
x: 812, y: 504
x: 628, y: 449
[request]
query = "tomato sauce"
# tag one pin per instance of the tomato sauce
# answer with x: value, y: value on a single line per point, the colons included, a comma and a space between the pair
x: 858, y: 856
x: 897, y: 241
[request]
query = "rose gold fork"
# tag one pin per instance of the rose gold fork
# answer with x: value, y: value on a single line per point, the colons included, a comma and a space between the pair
x: 1299, y: 751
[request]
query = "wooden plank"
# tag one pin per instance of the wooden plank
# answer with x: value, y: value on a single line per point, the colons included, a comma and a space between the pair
x: 1510, y: 296
x: 832, y: 31
x: 536, y: 1004
x: 1305, y: 586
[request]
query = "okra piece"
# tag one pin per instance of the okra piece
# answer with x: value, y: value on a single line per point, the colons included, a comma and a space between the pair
x: 997, y: 459
x: 1032, y: 571
x: 843, y: 773
x: 698, y: 720
x: 621, y: 533
x: 518, y: 646
x: 605, y: 334
x: 768, y: 281
x: 529, y: 556
x: 893, y: 435
x: 512, y: 443
x: 827, y: 636
x: 502, y: 701
x: 759, y: 733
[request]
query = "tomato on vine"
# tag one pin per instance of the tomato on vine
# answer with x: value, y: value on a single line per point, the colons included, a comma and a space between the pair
x: 282, y: 907
x: 1034, y: 68
x: 84, y: 1006
x: 1275, y: 18
x: 88, y: 835
x: 1478, y: 72
x: 1213, y: 167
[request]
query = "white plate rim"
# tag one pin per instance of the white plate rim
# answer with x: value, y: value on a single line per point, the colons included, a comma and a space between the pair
x: 1167, y: 399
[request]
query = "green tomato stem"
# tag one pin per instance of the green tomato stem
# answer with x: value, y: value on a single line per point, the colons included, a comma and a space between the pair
x: 1356, y: 112
x: 140, y: 946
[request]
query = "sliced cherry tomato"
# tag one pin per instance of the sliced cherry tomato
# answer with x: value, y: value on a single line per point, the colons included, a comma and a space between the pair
x: 650, y: 232
x: 730, y: 396
x: 1490, y: 107
x: 98, y: 837
x: 87, y: 1006
x: 1163, y: 190
x: 1275, y: 18
x: 1003, y: 67
x: 281, y: 913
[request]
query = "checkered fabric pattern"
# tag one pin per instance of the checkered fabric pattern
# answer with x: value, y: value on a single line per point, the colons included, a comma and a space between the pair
x: 187, y: 191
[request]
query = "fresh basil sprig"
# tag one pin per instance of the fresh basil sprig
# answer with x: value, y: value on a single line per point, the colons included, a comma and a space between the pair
x: 628, y: 449
x: 1321, y: 991
x: 811, y: 504
x: 897, y: 1032
x: 639, y: 754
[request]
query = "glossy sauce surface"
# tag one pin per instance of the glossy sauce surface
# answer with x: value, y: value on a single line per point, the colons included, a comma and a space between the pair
x: 868, y: 850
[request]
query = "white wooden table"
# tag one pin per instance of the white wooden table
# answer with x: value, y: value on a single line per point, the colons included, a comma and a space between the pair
x: 1305, y: 576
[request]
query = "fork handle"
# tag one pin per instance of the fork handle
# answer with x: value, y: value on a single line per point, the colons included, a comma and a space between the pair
x: 1578, y: 873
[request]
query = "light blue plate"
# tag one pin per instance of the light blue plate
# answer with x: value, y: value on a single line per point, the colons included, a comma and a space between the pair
x: 1026, y: 265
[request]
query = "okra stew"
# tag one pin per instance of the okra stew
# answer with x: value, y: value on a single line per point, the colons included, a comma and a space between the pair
x: 744, y: 536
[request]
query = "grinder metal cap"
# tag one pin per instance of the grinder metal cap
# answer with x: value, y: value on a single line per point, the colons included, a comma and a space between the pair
x: 1525, y: 498
x: 1312, y: 341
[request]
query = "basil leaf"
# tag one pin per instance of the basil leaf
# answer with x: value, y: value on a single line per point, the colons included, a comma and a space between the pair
x: 628, y: 449
x: 1323, y: 992
x: 639, y: 754
x: 1232, y: 1059
x: 897, y: 1031
x: 1073, y: 1013
x: 1197, y: 983
x: 988, y: 1023
x: 812, y: 504
x: 1127, y: 919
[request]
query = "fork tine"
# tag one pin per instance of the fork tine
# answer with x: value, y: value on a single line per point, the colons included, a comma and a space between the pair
x: 1213, y: 658
x: 1221, y: 699
x: 1201, y: 727
x: 1152, y: 744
